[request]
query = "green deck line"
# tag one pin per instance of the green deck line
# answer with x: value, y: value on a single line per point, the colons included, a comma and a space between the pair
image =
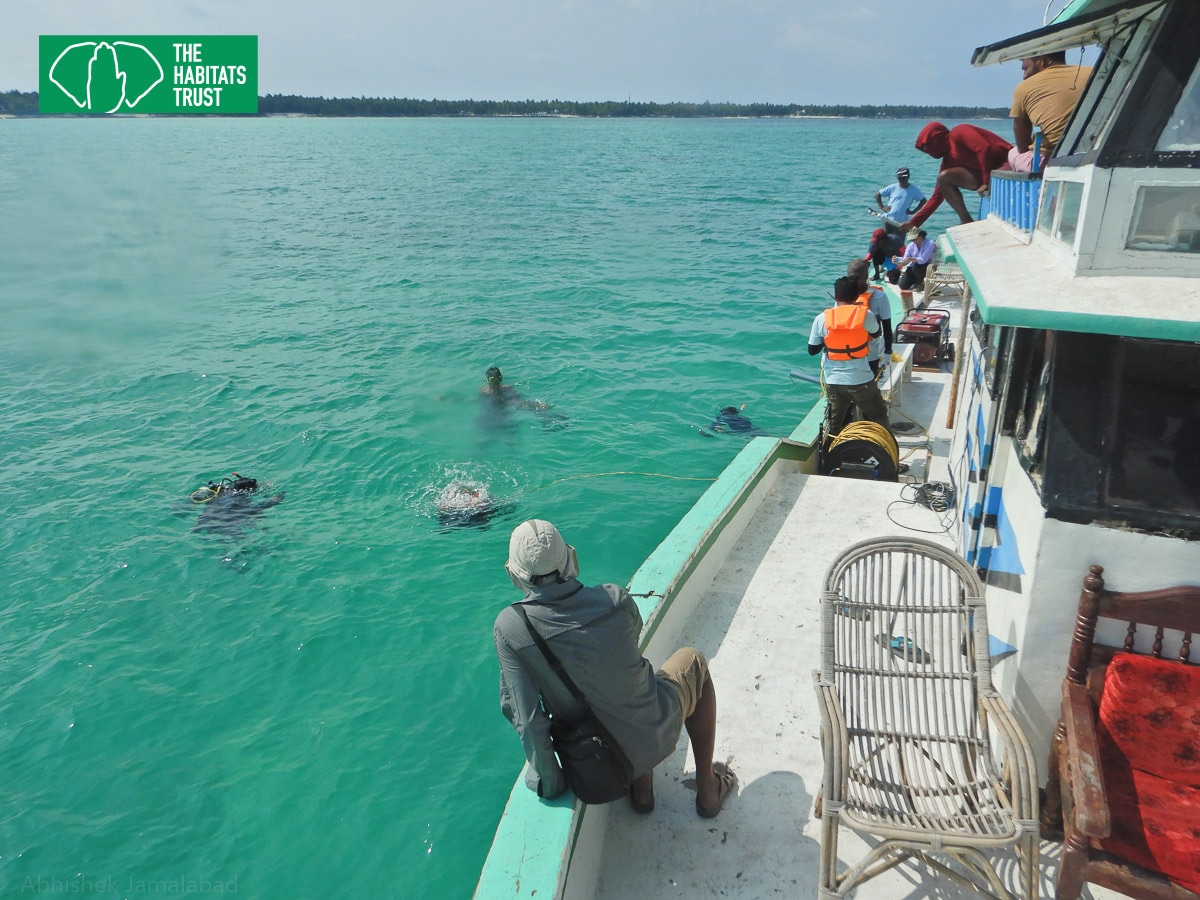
x: 528, y: 849
x: 1079, y: 322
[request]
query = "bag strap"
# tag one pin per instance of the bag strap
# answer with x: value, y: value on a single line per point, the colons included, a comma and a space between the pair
x: 551, y: 658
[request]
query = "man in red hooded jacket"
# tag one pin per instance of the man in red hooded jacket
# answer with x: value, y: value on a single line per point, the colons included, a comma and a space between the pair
x: 968, y: 156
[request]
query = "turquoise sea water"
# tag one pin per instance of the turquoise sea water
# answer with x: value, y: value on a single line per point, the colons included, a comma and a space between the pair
x: 308, y: 707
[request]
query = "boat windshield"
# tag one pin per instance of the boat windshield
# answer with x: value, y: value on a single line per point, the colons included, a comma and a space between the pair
x: 1182, y: 131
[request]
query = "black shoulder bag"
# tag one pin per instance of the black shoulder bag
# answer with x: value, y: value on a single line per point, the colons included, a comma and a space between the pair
x: 596, y: 769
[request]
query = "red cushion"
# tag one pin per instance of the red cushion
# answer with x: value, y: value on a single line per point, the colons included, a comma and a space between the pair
x: 1155, y: 823
x: 1150, y: 714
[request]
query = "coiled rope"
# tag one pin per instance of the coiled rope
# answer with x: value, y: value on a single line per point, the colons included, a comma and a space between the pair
x: 872, y: 432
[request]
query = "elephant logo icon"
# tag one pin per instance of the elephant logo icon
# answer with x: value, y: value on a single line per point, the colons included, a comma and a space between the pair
x: 103, y: 77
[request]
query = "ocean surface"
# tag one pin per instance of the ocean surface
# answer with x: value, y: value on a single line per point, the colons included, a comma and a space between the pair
x: 302, y: 701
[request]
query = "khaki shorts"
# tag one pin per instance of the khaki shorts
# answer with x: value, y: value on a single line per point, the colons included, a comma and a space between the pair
x: 687, y: 670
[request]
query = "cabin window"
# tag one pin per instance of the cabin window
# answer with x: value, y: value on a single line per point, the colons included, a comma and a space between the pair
x: 1182, y: 131
x: 983, y: 340
x: 1068, y: 221
x: 1025, y: 403
x: 1122, y: 433
x: 1154, y: 461
x: 1166, y: 218
x: 1049, y: 204
x: 1060, y: 205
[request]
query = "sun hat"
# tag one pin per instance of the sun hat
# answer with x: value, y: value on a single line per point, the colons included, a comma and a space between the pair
x: 913, y: 235
x: 536, y: 550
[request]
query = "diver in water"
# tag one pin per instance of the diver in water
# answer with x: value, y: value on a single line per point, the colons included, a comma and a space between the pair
x: 499, y: 397
x: 465, y: 503
x: 228, y: 503
x: 496, y: 391
x: 731, y: 419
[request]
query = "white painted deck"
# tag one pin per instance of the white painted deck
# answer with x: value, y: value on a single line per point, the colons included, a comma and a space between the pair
x: 758, y: 624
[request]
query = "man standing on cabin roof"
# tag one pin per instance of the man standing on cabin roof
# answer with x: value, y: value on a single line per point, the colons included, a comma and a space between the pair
x: 844, y: 334
x: 1044, y: 99
x: 874, y: 299
x: 594, y: 632
x: 968, y: 156
x: 899, y: 200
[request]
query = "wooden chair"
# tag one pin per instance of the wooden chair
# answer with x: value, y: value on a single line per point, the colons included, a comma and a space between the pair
x: 1084, y: 784
x: 920, y: 751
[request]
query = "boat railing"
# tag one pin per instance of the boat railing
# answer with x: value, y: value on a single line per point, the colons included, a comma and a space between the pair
x: 1013, y: 198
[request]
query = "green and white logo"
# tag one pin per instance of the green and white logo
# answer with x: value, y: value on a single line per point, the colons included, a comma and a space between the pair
x: 152, y: 74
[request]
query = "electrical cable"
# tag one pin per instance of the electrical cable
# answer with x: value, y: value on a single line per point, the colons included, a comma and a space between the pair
x: 936, y: 496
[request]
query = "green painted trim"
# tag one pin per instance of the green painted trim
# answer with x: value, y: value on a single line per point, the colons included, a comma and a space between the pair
x: 1079, y: 322
x: 1073, y: 9
x: 808, y: 432
x: 528, y: 849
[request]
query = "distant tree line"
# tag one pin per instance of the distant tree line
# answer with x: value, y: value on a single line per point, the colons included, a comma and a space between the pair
x: 26, y: 104
x: 407, y: 106
x: 16, y: 103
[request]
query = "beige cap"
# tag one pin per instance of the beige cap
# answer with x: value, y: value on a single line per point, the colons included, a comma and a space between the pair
x: 536, y: 549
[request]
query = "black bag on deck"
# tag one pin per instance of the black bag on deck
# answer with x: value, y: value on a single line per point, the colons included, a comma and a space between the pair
x: 596, y: 769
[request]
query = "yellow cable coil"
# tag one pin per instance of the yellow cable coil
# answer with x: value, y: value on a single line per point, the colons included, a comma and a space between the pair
x: 869, y: 431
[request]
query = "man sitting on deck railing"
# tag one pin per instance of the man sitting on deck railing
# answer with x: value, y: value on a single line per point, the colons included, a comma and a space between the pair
x: 1044, y: 99
x: 594, y: 632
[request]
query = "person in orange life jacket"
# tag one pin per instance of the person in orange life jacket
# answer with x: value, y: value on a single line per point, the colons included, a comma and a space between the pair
x: 844, y: 334
x: 877, y: 302
x: 968, y: 155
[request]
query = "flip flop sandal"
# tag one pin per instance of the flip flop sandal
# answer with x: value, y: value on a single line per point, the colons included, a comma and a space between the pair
x: 726, y: 782
x: 853, y: 610
x: 903, y: 648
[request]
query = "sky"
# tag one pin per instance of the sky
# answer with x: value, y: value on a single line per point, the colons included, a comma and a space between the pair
x: 739, y: 51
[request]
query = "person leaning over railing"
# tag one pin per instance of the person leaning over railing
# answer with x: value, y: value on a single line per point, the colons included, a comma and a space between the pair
x: 968, y: 155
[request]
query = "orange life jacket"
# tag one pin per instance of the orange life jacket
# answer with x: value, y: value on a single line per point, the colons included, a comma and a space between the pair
x: 864, y: 299
x: 845, y: 335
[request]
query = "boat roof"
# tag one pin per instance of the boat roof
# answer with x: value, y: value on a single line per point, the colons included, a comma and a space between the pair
x: 1082, y: 23
x: 1022, y: 284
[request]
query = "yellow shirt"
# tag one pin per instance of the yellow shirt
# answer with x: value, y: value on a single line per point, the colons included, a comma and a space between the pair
x: 1048, y: 98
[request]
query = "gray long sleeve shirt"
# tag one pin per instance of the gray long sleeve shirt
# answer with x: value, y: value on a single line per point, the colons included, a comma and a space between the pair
x: 594, y: 632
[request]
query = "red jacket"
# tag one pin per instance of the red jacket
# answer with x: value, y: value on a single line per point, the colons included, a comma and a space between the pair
x: 961, y: 147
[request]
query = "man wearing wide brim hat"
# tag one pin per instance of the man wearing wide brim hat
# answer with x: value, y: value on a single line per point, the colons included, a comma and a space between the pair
x: 594, y: 632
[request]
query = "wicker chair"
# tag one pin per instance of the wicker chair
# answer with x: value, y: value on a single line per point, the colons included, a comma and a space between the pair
x: 912, y: 726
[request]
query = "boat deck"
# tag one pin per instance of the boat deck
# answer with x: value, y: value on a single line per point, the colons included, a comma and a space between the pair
x: 759, y: 625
